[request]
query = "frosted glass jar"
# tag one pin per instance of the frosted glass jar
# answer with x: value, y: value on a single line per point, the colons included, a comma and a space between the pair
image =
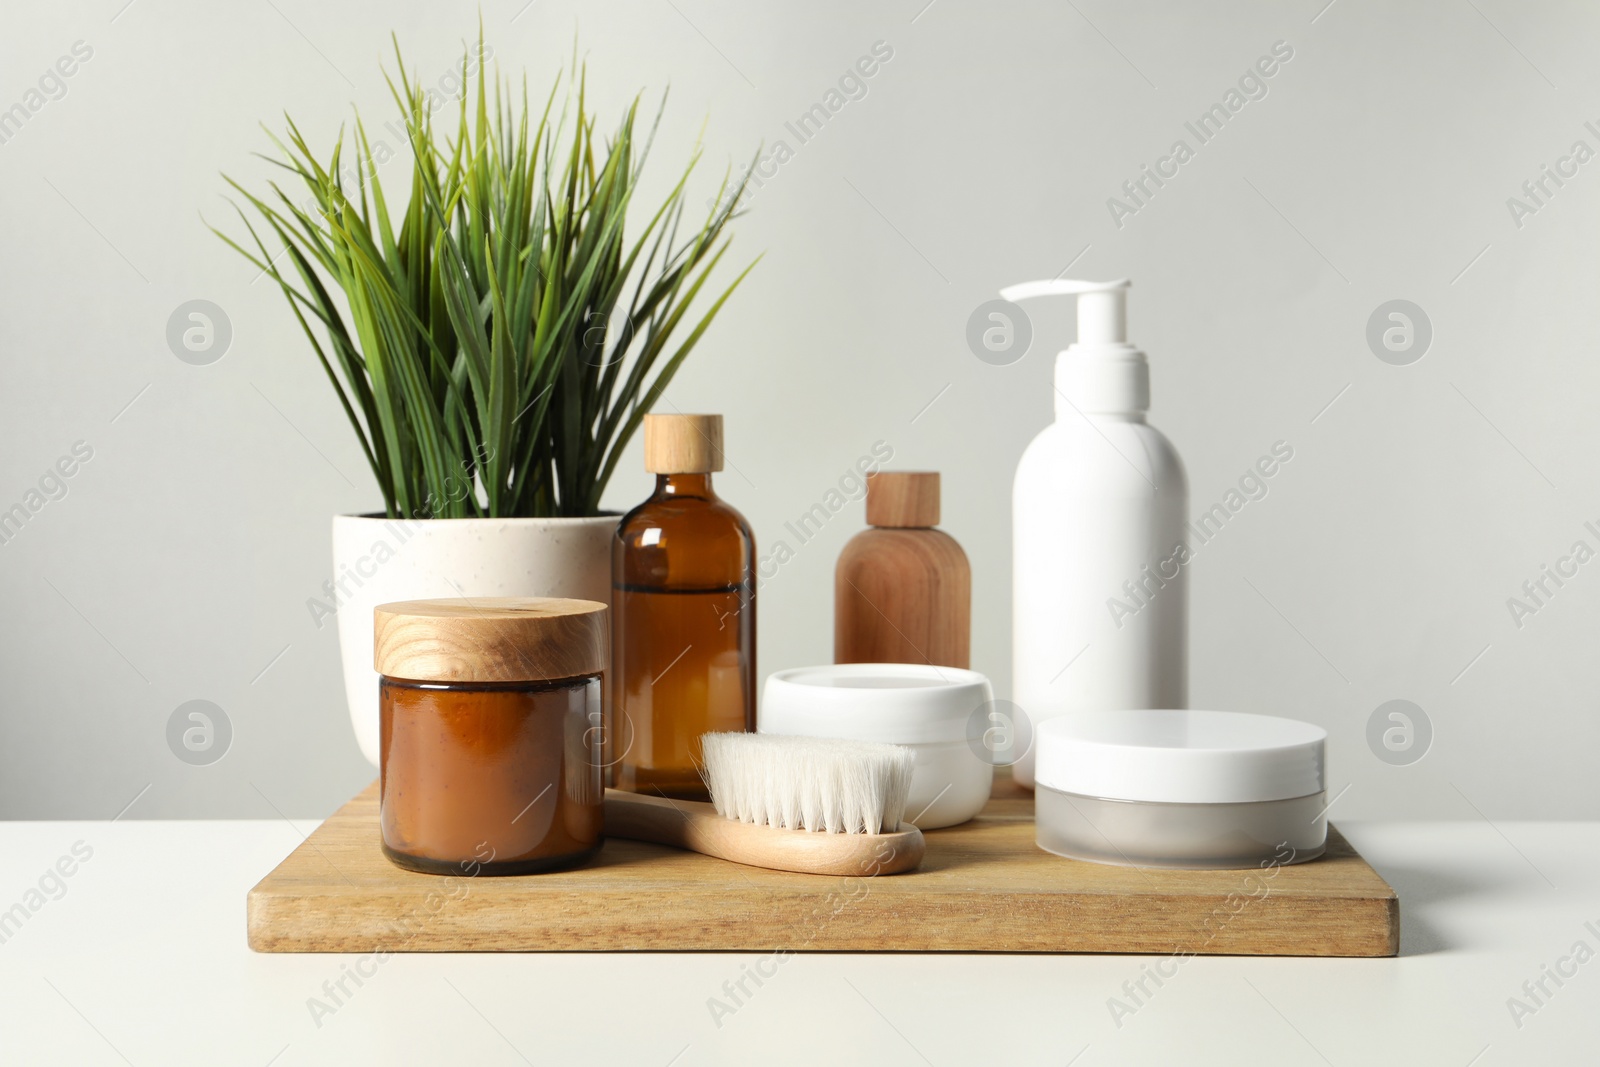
x: 1186, y: 789
x: 926, y: 708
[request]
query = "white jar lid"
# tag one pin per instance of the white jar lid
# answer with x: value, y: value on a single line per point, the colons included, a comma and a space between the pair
x: 1180, y: 757
x: 897, y: 703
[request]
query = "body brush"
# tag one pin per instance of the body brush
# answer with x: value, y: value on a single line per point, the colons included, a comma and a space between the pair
x: 800, y: 804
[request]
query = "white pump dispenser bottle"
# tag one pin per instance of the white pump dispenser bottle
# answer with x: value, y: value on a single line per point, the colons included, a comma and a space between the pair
x: 1100, y: 550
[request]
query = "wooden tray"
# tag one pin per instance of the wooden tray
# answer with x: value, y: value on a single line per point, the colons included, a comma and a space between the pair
x: 983, y: 887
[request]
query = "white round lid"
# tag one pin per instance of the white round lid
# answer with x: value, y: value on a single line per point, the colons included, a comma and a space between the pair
x: 1180, y: 757
x: 897, y: 703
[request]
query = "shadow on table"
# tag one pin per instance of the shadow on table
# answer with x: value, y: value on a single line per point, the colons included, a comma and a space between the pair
x: 1419, y: 888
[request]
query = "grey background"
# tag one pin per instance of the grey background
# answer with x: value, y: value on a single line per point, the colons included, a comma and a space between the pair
x: 1377, y: 168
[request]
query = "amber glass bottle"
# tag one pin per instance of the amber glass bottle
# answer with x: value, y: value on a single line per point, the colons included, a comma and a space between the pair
x: 683, y: 617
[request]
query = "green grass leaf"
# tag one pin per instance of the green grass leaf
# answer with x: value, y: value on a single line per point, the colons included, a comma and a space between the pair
x: 479, y: 341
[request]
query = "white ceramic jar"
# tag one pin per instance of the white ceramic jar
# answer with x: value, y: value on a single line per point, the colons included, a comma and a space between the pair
x: 925, y: 708
x: 1192, y: 789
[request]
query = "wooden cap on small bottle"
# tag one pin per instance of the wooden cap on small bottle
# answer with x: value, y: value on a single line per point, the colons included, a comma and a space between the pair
x: 903, y: 498
x: 490, y: 639
x: 682, y: 444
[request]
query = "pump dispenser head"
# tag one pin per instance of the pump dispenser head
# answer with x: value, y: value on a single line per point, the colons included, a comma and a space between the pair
x: 1101, y: 372
x: 1102, y: 306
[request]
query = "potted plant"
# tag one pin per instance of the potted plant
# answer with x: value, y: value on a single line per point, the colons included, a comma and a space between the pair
x: 495, y: 343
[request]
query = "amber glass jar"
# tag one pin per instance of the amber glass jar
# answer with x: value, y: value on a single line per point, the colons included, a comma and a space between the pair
x: 490, y: 733
x: 684, y: 614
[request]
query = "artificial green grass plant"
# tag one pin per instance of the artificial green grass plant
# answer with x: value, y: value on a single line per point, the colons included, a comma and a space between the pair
x: 491, y: 353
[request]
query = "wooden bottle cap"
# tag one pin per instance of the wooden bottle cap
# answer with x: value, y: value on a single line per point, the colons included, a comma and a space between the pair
x: 903, y: 498
x: 682, y: 444
x: 490, y: 639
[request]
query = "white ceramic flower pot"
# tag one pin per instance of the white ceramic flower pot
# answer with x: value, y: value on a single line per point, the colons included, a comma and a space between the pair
x: 376, y: 560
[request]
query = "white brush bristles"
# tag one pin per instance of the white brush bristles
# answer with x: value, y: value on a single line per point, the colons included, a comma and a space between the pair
x: 808, y: 783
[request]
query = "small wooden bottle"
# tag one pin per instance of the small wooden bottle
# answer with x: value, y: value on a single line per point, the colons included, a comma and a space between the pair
x: 683, y: 615
x: 902, y: 589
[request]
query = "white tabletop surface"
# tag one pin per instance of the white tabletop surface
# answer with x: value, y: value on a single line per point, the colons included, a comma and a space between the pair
x: 139, y: 957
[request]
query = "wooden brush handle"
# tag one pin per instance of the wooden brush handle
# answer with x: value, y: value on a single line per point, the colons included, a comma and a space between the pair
x: 696, y: 826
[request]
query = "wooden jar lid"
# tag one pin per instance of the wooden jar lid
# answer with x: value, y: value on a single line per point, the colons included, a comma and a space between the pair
x: 490, y: 639
x: 682, y: 444
x: 903, y: 498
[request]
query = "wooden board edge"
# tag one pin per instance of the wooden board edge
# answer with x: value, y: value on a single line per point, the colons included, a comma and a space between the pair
x: 1355, y: 927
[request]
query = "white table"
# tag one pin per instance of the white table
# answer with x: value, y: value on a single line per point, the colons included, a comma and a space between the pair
x: 139, y: 957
